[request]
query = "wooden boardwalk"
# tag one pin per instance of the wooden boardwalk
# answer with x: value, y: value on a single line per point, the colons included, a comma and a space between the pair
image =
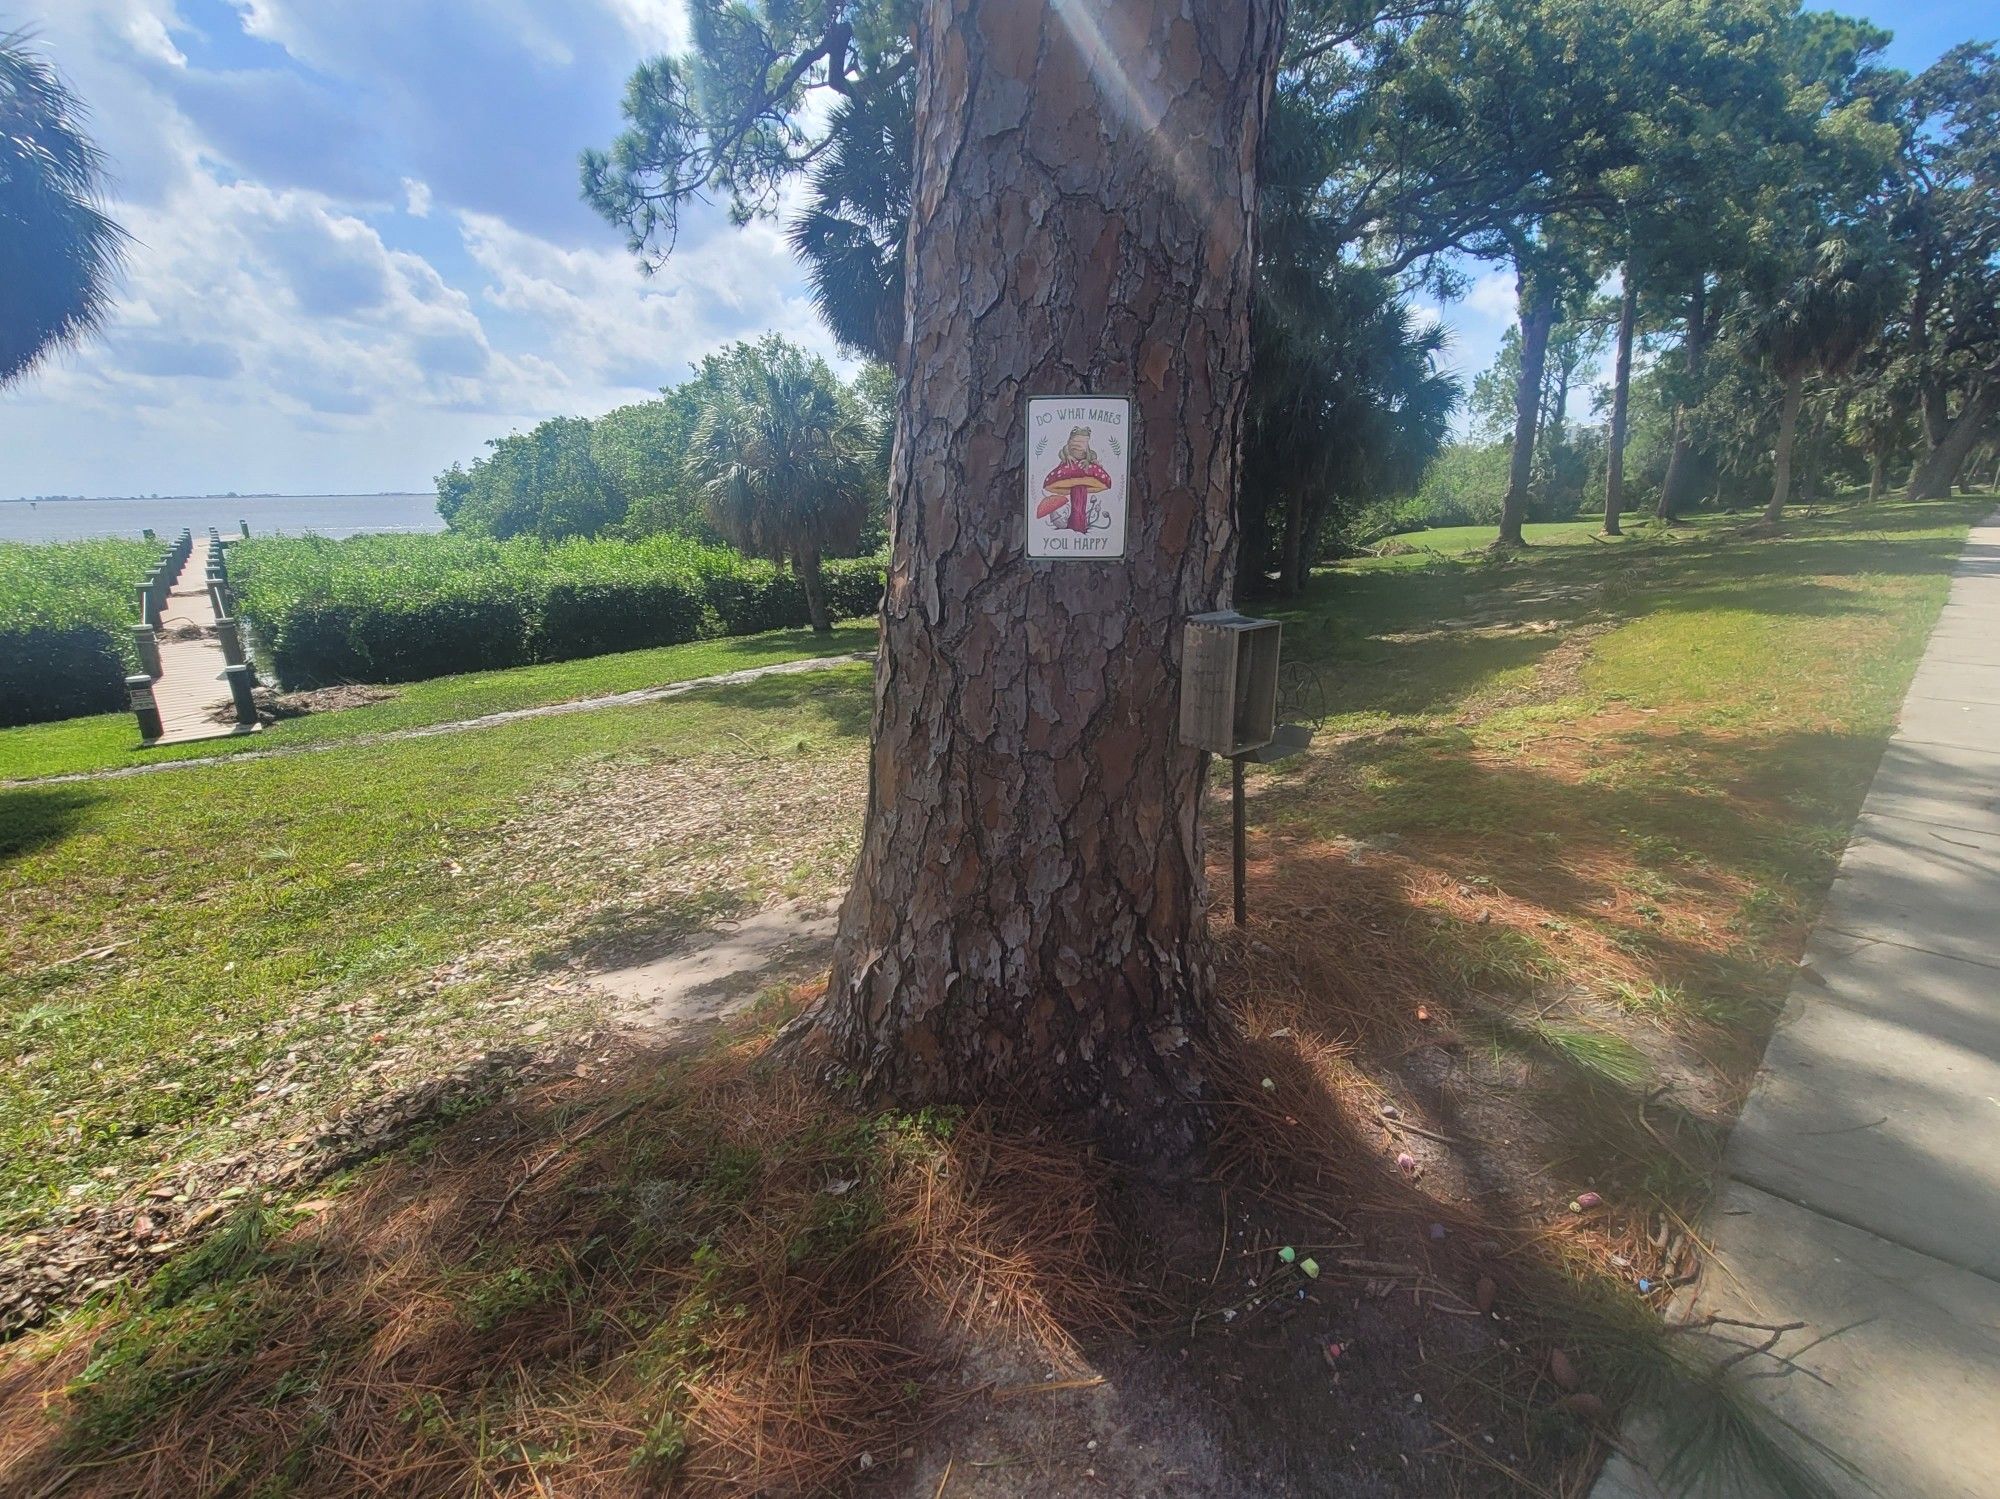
x: 192, y: 692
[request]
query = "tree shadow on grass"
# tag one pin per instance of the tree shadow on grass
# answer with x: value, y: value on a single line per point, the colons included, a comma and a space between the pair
x: 844, y: 709
x: 713, y: 1276
x: 34, y: 817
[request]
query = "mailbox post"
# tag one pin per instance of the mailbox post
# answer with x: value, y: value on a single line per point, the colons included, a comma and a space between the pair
x: 1229, y: 706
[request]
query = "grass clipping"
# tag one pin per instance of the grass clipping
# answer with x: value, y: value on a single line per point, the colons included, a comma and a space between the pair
x: 721, y: 1283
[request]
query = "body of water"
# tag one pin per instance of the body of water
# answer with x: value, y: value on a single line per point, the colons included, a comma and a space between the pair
x: 289, y: 514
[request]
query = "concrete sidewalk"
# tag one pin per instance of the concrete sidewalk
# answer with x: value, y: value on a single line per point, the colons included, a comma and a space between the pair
x: 1863, y: 1190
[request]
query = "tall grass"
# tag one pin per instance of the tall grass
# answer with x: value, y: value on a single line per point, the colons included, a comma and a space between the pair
x: 401, y: 608
x: 66, y: 609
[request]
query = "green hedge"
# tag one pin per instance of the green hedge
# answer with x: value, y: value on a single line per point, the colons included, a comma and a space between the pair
x: 400, y: 608
x: 66, y: 612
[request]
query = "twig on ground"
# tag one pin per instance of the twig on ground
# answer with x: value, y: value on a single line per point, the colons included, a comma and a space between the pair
x: 546, y: 1161
x: 1050, y: 1387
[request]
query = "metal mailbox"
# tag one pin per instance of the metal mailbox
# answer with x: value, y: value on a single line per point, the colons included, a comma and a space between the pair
x: 1229, y: 682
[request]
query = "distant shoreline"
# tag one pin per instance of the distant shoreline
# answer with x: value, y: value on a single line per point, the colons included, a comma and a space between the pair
x: 142, y: 499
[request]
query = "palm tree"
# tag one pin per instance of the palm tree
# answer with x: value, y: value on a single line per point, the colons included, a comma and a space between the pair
x: 58, y: 250
x: 849, y: 235
x: 1820, y: 320
x: 780, y: 452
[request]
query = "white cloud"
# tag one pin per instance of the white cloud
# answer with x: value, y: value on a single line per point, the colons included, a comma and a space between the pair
x: 656, y: 25
x: 1493, y: 295
x: 608, y: 323
x: 353, y: 264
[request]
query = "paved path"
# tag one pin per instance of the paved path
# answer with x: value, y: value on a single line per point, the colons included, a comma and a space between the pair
x: 191, y: 686
x: 1863, y: 1180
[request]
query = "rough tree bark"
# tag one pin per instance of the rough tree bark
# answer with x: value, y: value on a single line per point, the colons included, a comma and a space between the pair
x: 1027, y: 915
x: 1621, y: 392
x: 1538, y: 316
x: 1788, y: 431
x: 1878, y: 472
x: 1680, y: 458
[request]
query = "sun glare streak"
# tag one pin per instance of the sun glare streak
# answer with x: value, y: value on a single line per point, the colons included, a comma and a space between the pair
x: 1140, y: 109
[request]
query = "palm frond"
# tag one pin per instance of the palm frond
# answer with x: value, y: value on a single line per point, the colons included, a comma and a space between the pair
x: 59, y: 251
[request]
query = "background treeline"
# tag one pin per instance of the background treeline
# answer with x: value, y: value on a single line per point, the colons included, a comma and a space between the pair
x: 1788, y: 253
x: 1786, y: 250
x: 401, y: 608
x: 66, y: 615
x: 638, y: 470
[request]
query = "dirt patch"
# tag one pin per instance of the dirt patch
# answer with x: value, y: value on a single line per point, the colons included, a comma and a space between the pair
x: 327, y: 699
x: 716, y: 973
x: 710, y: 838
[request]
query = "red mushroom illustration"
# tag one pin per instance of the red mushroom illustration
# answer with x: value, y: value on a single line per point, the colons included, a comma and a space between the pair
x: 1072, y: 482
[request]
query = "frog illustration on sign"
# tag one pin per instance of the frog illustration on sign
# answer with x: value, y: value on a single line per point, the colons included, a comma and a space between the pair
x: 1072, y: 483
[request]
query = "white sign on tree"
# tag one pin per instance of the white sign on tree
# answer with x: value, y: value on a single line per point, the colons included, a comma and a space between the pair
x: 1079, y: 462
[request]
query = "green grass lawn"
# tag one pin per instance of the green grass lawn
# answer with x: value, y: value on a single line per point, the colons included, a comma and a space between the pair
x: 303, y: 904
x: 111, y: 740
x: 1584, y: 788
x: 247, y: 912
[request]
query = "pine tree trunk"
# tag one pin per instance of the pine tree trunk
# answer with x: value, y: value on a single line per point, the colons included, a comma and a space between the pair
x: 1809, y: 465
x: 1788, y: 430
x: 1936, y: 414
x: 1027, y: 919
x: 1538, y: 315
x: 1315, y: 514
x: 1253, y: 526
x: 1878, y: 473
x: 1680, y: 459
x: 1290, y: 568
x: 1621, y: 391
x: 806, y: 565
x: 1938, y: 469
x: 1552, y: 428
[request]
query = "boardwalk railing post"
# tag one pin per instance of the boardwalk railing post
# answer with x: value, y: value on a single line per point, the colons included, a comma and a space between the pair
x: 230, y: 634
x: 221, y: 599
x: 144, y: 708
x: 149, y: 604
x: 147, y: 644
x: 241, y: 680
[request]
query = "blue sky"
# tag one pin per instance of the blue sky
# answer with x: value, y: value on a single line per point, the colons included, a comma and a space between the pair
x: 360, y: 250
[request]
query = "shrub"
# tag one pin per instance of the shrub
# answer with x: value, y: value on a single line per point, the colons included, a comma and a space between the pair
x: 755, y: 598
x: 854, y: 587
x: 593, y: 617
x: 395, y: 608
x: 66, y: 611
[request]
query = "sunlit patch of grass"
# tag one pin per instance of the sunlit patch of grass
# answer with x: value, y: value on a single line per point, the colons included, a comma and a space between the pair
x: 157, y: 967
x: 108, y: 741
x: 1481, y: 957
x: 1589, y: 1052
x: 1681, y: 1004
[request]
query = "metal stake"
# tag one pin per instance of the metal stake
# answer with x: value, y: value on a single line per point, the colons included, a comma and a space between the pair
x: 1236, y: 832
